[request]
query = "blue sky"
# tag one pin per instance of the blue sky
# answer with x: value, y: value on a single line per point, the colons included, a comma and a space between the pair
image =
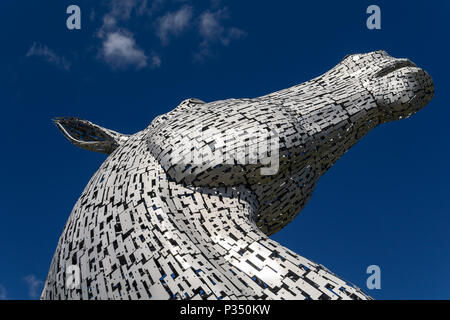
x: 386, y: 202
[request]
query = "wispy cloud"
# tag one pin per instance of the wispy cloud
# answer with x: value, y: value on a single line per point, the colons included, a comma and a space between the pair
x: 3, y: 294
x: 156, y: 61
x: 232, y: 34
x: 173, y: 23
x: 34, y: 286
x: 48, y: 55
x: 123, y: 9
x: 210, y: 27
x: 212, y: 31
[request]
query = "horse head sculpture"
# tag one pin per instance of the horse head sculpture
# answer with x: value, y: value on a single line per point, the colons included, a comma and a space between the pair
x: 184, y: 209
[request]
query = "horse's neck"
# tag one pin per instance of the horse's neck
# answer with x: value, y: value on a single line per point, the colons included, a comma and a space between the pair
x: 134, y: 233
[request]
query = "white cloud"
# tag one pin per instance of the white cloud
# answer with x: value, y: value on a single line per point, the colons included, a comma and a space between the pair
x: 2, y: 293
x: 43, y: 52
x: 173, y: 23
x: 34, y: 286
x: 120, y: 51
x: 119, y: 48
x: 124, y: 10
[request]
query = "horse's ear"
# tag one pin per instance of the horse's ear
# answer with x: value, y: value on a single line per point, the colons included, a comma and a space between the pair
x: 89, y: 136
